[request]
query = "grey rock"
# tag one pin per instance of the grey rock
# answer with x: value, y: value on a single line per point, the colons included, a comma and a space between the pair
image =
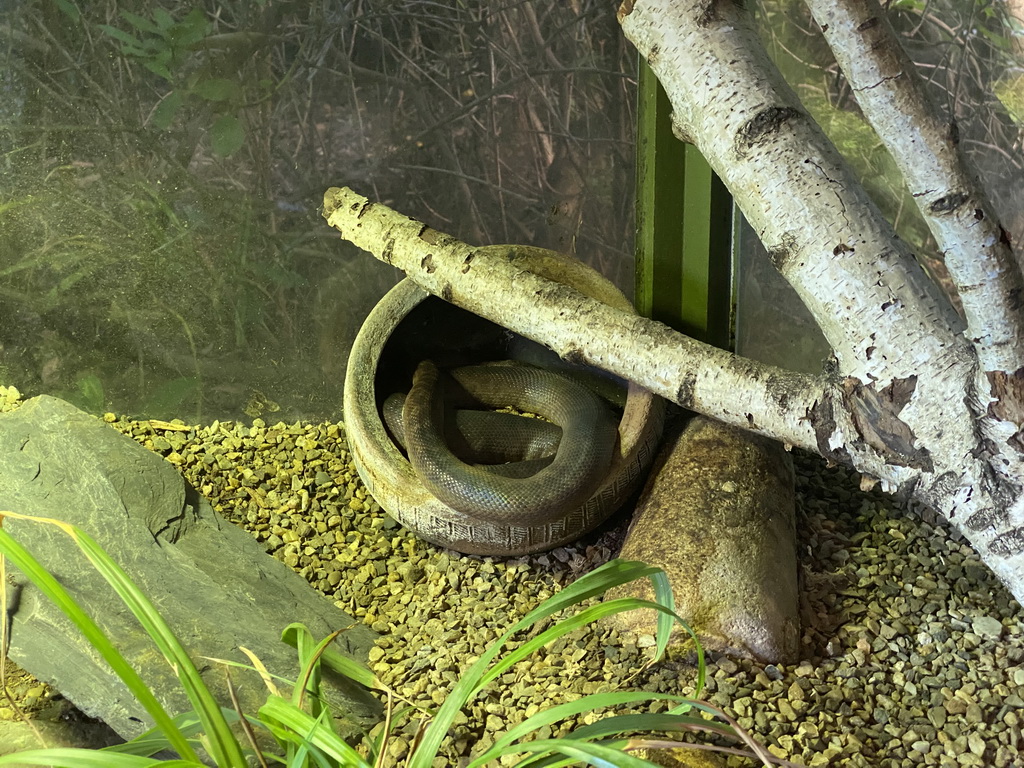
x: 212, y: 582
x: 988, y: 627
x: 18, y: 736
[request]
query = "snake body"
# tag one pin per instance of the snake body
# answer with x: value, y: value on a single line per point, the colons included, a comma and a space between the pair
x: 579, y: 465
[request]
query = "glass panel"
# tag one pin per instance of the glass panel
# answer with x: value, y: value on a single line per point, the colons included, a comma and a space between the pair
x: 161, y: 249
x: 970, y: 56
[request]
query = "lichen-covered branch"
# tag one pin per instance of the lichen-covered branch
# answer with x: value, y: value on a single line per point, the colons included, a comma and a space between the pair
x: 757, y: 397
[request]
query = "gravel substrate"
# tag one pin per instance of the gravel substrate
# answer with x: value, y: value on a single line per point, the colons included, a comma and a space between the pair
x: 913, y: 652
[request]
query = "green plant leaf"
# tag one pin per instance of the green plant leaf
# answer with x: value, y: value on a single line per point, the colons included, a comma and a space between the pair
x: 603, y: 755
x: 191, y: 29
x: 163, y: 20
x: 90, y: 396
x: 595, y: 583
x: 140, y: 23
x: 159, y: 63
x: 217, y: 89
x: 563, y: 627
x: 158, y: 69
x: 50, y: 587
x: 167, y: 109
x: 336, y: 661
x: 170, y: 396
x: 294, y: 726
x: 649, y: 721
x: 70, y: 10
x: 219, y: 740
x: 307, y: 687
x: 69, y: 757
x: 154, y: 740
x: 592, y: 584
x: 124, y: 37
x: 226, y: 135
x: 507, y: 742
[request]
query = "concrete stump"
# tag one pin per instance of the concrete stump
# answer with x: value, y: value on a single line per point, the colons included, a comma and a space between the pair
x: 717, y: 514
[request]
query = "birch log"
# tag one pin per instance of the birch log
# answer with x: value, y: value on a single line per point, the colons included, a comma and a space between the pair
x: 948, y: 407
x: 975, y: 247
x: 580, y: 329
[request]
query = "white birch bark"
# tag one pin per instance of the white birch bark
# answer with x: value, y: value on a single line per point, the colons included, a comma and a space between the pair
x: 926, y: 413
x: 975, y: 246
x: 485, y: 281
x: 908, y: 404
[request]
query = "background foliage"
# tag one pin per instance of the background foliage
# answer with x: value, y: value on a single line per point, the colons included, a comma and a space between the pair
x: 163, y: 163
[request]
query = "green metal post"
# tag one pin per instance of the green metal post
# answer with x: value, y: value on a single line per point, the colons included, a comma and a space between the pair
x: 684, y: 227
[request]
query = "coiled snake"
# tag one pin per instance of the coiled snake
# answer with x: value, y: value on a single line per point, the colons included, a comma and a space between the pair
x: 407, y: 326
x: 441, y: 445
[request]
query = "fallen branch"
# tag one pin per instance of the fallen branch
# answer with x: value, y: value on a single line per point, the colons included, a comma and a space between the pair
x: 488, y: 282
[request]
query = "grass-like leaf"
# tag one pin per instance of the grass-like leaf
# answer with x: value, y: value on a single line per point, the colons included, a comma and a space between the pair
x: 595, y: 583
x: 337, y: 661
x: 70, y: 757
x: 219, y: 739
x: 50, y: 587
x: 569, y: 624
x: 506, y: 743
x: 603, y: 755
x: 290, y: 724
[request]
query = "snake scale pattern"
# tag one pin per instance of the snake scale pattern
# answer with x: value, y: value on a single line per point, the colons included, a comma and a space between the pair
x: 498, y: 493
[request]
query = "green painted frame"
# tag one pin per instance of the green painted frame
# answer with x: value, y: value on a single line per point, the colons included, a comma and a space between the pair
x: 685, y: 223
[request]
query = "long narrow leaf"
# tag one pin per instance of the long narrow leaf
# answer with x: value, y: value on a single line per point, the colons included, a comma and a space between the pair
x: 463, y: 691
x: 70, y: 757
x: 604, y: 755
x: 596, y: 582
x: 289, y: 723
x: 663, y: 596
x: 569, y: 624
x: 309, y: 682
x: 154, y: 740
x: 564, y: 711
x: 649, y: 721
x: 341, y: 664
x: 50, y: 587
x: 220, y: 740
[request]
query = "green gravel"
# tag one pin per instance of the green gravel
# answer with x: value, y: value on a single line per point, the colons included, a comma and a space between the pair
x: 913, y: 653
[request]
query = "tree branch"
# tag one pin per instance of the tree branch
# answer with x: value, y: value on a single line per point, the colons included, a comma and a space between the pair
x: 761, y: 398
x: 822, y: 231
x: 889, y: 91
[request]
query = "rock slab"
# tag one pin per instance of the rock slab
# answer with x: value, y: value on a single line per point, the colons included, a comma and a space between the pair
x: 717, y: 515
x: 212, y: 582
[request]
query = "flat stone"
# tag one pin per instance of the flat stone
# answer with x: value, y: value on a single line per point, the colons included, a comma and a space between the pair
x: 212, y: 582
x: 16, y: 736
x: 988, y: 627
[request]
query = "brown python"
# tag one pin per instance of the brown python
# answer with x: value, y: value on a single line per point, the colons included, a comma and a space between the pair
x: 581, y: 459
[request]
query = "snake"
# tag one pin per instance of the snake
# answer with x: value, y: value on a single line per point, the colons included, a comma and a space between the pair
x: 465, y: 461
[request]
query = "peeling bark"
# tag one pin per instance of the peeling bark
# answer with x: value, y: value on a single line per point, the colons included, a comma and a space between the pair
x: 923, y: 407
x: 489, y: 282
x: 913, y: 401
x: 976, y: 252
